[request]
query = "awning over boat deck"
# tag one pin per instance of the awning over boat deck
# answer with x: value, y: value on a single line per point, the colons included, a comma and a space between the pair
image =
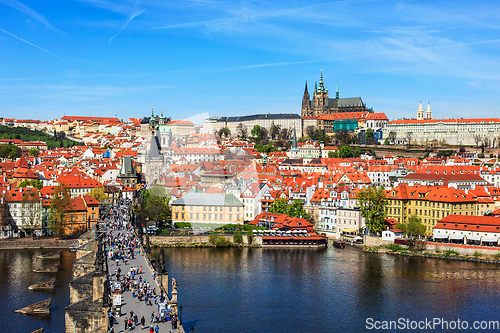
x: 440, y: 236
x: 456, y: 237
x: 490, y: 239
x: 474, y: 238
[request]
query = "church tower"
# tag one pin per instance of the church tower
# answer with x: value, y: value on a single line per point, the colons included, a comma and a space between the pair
x: 428, y: 113
x: 306, y: 103
x: 320, y: 97
x: 152, y: 124
x: 420, y: 112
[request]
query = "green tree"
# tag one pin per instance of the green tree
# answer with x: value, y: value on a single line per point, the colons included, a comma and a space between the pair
x: 386, y: 142
x: 279, y: 206
x: 250, y: 237
x: 415, y: 228
x: 33, y: 182
x: 326, y: 139
x: 34, y: 152
x: 369, y: 138
x: 98, y: 194
x: 373, y: 204
x: 345, y: 151
x: 256, y: 132
x: 331, y: 154
x: 356, y: 152
x: 401, y: 226
x: 296, y: 209
x: 237, y: 237
x: 59, y: 207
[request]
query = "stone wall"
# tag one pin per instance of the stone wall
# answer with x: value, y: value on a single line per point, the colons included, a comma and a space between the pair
x: 171, y: 240
x: 81, y: 288
x: 86, y: 316
x: 375, y: 241
x: 84, y: 265
x: 468, y: 250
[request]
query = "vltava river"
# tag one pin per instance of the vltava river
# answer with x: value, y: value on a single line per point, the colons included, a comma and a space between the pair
x: 332, y: 290
x: 16, y: 276
x: 269, y: 290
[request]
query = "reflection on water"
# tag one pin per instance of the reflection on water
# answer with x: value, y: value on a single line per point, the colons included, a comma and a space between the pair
x: 288, y: 290
x: 16, y: 276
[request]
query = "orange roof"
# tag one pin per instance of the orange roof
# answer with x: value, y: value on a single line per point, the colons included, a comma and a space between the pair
x: 454, y: 120
x: 343, y: 115
x: 470, y: 223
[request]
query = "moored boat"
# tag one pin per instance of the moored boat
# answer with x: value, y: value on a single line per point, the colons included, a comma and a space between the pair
x: 296, y: 238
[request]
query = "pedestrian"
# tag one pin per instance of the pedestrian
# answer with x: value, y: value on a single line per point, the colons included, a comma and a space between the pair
x: 143, y: 322
x: 126, y: 322
x: 140, y: 270
x: 152, y: 316
x: 157, y: 329
x: 151, y: 329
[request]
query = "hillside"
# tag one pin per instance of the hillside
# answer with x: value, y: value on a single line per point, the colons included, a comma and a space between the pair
x: 26, y: 134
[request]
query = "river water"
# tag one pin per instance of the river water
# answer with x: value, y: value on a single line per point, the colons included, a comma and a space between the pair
x: 16, y: 276
x: 331, y: 290
x: 272, y: 290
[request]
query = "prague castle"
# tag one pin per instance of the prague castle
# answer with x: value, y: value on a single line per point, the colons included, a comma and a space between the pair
x: 321, y: 104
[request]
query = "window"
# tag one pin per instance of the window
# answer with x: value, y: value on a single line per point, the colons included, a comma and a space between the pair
x: 230, y: 209
x: 182, y: 216
x: 230, y: 217
x: 209, y: 209
x: 176, y: 215
x: 197, y: 216
x: 204, y: 217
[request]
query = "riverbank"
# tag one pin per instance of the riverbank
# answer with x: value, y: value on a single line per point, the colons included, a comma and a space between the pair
x: 29, y: 243
x: 397, y: 249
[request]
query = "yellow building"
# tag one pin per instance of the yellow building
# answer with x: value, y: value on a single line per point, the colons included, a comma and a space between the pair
x: 208, y: 208
x: 430, y: 203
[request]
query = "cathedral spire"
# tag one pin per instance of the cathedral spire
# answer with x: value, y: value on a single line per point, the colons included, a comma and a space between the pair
x: 306, y: 92
x: 294, y: 143
x: 321, y: 87
x: 337, y: 94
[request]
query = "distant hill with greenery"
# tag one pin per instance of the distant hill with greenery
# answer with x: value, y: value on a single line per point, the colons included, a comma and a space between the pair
x: 26, y: 134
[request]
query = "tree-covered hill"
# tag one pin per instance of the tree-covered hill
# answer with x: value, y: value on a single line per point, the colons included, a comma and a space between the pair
x: 26, y: 134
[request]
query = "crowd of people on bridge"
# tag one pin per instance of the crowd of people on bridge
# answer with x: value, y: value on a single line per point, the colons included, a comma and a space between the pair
x: 122, y: 245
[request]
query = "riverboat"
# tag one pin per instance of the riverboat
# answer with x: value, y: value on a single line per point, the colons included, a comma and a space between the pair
x: 295, y: 238
x: 338, y: 243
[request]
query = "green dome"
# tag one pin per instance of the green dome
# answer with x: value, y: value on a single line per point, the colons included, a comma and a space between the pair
x: 164, y: 129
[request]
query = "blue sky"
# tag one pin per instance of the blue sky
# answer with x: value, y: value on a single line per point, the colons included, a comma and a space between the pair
x: 107, y: 58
